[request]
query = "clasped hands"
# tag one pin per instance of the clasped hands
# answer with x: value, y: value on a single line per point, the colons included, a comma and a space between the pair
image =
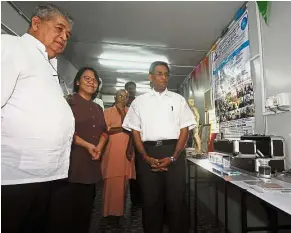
x: 158, y: 165
x: 94, y: 152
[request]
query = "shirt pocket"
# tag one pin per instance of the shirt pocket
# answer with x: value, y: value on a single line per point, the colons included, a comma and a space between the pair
x: 172, y: 111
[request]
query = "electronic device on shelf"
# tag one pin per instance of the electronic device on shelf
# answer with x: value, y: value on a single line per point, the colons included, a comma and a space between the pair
x: 269, y: 146
x: 249, y: 151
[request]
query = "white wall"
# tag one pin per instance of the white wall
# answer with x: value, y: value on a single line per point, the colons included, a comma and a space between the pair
x: 276, y: 37
x: 277, y: 59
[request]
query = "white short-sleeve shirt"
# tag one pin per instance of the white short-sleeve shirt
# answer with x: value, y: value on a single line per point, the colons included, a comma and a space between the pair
x: 99, y: 102
x: 159, y: 116
x: 37, y: 123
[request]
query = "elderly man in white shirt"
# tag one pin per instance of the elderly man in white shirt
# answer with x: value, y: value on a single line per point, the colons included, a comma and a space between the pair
x: 160, y: 121
x: 37, y: 125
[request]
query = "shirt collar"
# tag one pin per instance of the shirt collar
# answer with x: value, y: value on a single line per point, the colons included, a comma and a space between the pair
x: 34, y: 41
x: 165, y: 92
x: 76, y: 98
x: 41, y: 47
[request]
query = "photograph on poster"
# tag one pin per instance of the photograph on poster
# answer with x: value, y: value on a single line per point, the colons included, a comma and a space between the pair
x: 237, y: 104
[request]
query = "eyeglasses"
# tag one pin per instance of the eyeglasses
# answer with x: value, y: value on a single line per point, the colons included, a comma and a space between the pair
x: 89, y: 79
x: 160, y: 74
x: 123, y: 96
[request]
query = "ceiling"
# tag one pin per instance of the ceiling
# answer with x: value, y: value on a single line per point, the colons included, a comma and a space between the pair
x: 121, y: 39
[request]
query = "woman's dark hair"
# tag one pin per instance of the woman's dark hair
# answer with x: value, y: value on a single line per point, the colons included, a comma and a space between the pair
x: 79, y: 75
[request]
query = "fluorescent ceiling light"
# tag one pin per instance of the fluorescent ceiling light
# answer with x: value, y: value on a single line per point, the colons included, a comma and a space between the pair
x: 121, y: 48
x: 121, y: 80
x: 137, y: 85
x: 133, y: 71
x: 126, y: 45
x: 124, y: 64
x: 144, y: 82
x: 139, y: 89
x: 138, y: 61
x: 133, y: 57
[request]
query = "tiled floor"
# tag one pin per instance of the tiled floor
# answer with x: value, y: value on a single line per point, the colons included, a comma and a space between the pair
x: 131, y: 223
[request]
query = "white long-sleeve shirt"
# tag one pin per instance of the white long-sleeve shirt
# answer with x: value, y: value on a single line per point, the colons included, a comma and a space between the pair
x: 37, y: 123
x: 159, y: 116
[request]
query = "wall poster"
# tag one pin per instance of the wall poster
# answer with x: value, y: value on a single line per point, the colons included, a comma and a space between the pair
x: 231, y: 82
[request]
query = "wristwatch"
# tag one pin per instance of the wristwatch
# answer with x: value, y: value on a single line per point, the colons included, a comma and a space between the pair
x: 173, y: 159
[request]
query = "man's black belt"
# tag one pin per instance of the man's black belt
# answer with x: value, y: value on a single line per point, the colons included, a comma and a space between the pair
x: 161, y: 142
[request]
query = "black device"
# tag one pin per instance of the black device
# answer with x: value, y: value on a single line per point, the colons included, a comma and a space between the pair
x: 251, y: 148
x: 230, y: 146
x: 269, y: 146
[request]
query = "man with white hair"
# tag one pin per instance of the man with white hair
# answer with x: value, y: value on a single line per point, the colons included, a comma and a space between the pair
x: 37, y: 126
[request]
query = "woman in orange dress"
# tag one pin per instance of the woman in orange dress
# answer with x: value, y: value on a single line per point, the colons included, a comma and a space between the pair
x: 118, y: 159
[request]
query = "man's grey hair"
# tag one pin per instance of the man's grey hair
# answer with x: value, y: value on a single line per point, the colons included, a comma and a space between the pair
x: 48, y: 11
x: 158, y: 63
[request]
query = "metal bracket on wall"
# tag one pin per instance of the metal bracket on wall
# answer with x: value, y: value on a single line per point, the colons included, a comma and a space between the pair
x: 8, y: 30
x: 267, y: 113
x: 19, y: 11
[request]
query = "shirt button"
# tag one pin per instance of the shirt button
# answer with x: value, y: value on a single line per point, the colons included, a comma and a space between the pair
x: 93, y: 136
x: 93, y: 126
x: 90, y: 109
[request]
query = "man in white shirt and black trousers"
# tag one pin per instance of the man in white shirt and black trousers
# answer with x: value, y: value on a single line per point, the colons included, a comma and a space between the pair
x: 37, y: 126
x: 160, y: 121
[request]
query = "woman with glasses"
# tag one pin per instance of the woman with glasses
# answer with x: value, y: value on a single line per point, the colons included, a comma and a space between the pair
x: 89, y: 140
